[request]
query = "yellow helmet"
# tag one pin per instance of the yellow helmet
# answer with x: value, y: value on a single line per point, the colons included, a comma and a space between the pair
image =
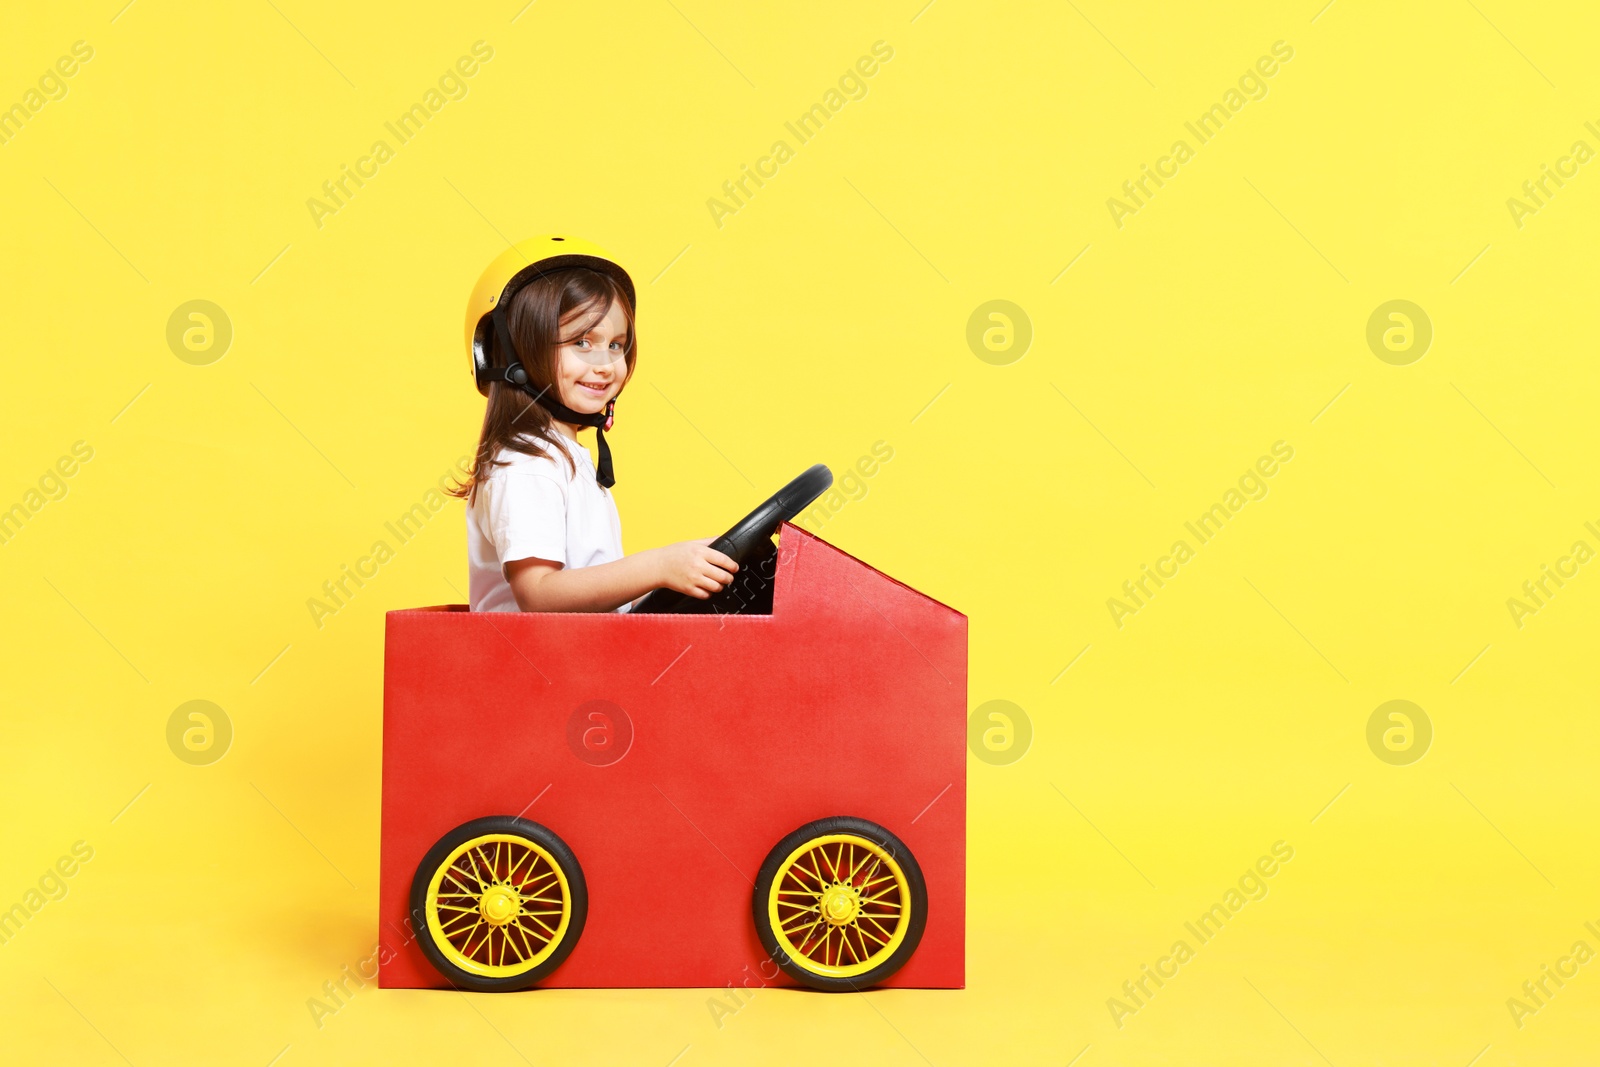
x: 514, y: 268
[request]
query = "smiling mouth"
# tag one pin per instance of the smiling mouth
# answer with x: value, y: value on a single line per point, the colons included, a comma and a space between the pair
x: 594, y: 388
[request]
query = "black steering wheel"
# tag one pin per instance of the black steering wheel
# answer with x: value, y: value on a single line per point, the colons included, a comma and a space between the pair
x: 750, y: 545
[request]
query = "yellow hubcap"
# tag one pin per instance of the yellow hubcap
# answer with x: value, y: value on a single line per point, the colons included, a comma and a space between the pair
x: 498, y: 905
x: 839, y: 905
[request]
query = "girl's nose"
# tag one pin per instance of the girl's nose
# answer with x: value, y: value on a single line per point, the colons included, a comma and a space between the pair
x: 602, y: 359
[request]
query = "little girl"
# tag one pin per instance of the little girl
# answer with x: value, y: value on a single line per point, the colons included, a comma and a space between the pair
x: 551, y: 332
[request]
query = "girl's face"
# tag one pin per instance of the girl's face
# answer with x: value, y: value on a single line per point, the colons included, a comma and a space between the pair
x: 591, y: 368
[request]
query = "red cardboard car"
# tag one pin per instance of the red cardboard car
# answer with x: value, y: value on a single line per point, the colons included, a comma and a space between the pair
x: 660, y: 798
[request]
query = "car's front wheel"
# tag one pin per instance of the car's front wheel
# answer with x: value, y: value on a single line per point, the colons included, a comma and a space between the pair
x: 840, y: 904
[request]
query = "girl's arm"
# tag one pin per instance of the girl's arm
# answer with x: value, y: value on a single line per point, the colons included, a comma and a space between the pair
x: 690, y: 567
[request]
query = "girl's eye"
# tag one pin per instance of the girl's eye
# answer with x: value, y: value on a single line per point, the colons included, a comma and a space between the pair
x: 582, y: 341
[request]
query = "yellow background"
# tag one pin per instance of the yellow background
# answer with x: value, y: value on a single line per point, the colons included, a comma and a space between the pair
x: 823, y: 316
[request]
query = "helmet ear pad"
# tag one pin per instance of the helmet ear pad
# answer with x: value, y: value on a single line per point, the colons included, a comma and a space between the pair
x: 513, y: 373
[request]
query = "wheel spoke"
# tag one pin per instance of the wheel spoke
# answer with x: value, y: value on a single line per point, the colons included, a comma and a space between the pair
x: 799, y: 921
x: 867, y: 879
x: 878, y: 897
x: 793, y: 876
x: 542, y: 935
x: 805, y: 936
x: 469, y: 867
x: 532, y: 885
x: 865, y: 855
x: 511, y: 875
x: 468, y: 939
x: 483, y: 942
x: 865, y: 934
x: 466, y: 874
x: 527, y: 952
x: 873, y: 919
x: 812, y: 910
x: 479, y: 853
x: 461, y: 922
x: 542, y: 925
x: 844, y: 940
x: 818, y: 948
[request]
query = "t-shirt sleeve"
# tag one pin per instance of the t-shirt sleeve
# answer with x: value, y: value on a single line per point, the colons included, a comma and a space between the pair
x: 526, y: 515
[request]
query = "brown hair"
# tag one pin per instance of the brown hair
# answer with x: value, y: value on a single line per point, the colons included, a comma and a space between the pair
x: 513, y: 420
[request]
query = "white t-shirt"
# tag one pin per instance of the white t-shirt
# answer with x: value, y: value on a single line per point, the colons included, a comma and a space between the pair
x: 536, y: 507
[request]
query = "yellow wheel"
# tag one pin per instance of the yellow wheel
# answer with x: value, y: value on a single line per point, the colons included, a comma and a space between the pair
x: 840, y: 904
x: 498, y: 904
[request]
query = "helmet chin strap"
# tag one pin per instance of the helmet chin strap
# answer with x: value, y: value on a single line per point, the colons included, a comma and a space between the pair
x: 516, y: 374
x: 601, y: 421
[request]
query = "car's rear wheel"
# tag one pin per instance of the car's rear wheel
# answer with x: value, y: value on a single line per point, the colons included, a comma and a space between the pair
x: 498, y: 903
x: 840, y: 904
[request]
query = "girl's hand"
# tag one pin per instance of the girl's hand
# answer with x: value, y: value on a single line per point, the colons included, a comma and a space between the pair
x: 694, y: 568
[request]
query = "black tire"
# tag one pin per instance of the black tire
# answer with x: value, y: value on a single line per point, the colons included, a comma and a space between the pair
x: 533, y: 834
x: 913, y: 904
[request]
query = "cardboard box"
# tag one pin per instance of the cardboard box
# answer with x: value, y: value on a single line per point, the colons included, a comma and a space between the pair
x: 849, y: 699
